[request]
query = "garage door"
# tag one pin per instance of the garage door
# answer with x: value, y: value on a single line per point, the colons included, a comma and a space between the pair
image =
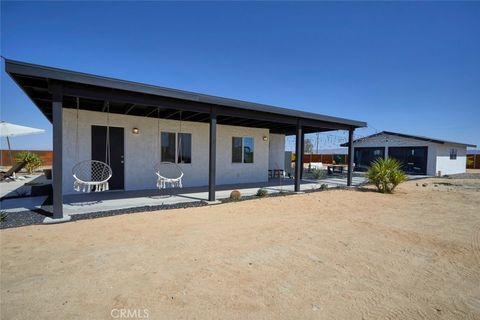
x: 363, y: 157
x: 413, y: 159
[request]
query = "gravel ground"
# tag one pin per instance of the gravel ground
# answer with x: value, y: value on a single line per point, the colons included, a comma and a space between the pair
x: 341, y: 254
x: 25, y: 218
x: 468, y: 175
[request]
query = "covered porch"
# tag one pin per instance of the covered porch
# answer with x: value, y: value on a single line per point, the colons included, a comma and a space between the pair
x: 55, y: 90
x: 148, y: 200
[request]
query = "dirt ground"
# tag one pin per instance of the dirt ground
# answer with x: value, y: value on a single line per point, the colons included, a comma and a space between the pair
x: 340, y: 254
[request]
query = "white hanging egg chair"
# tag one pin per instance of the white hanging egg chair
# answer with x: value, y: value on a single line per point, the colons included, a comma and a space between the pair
x: 91, y: 175
x: 168, y: 174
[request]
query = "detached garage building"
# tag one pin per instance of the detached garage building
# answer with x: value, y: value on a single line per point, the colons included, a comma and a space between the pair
x: 418, y: 155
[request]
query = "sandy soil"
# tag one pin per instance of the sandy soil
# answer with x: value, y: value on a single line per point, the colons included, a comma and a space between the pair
x: 330, y: 255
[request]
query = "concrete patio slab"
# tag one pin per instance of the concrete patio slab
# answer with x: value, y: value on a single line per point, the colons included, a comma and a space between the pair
x: 84, y: 203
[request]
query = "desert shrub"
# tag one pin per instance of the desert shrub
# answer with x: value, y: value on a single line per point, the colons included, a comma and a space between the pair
x: 323, y: 186
x: 386, y: 174
x: 32, y: 159
x: 235, y: 195
x: 3, y: 216
x: 318, y: 173
x: 262, y: 192
x: 470, y: 162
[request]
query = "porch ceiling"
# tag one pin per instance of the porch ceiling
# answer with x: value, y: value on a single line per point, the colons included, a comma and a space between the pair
x: 136, y: 99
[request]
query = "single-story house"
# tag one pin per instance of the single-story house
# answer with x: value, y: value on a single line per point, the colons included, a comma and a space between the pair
x: 214, y: 140
x: 418, y: 155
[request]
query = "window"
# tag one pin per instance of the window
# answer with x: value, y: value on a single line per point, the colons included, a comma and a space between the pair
x: 248, y: 150
x: 237, y: 150
x: 453, y: 154
x: 181, y: 150
x: 339, y: 158
x: 168, y: 146
x: 242, y: 149
x: 184, y: 148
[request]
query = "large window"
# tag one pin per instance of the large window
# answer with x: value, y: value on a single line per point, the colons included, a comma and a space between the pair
x: 176, y: 147
x: 184, y: 148
x: 248, y: 150
x: 237, y: 149
x: 363, y: 157
x: 168, y: 147
x: 242, y: 149
x: 413, y: 159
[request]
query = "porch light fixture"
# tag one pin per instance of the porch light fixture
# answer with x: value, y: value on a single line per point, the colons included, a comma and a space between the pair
x: 265, y: 138
x: 135, y: 131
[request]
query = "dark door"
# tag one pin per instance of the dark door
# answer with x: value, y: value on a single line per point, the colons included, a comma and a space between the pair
x: 99, y: 134
x: 413, y: 159
x: 363, y: 157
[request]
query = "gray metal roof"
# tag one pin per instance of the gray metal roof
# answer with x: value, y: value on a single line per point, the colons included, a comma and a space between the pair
x: 27, y: 69
x: 421, y: 138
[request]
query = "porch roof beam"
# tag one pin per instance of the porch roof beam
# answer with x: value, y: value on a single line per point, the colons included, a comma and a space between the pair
x: 171, y: 114
x: 193, y: 115
x: 198, y: 107
x: 130, y: 108
x: 151, y: 112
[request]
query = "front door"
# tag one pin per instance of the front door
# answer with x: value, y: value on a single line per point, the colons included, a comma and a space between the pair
x: 99, y: 134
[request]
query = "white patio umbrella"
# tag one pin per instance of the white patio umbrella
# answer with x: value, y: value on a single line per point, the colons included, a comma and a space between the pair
x: 8, y: 130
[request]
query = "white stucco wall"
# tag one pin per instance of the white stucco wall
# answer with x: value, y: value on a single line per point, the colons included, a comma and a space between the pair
x: 276, y: 153
x: 141, y: 152
x: 438, y: 157
x: 451, y: 166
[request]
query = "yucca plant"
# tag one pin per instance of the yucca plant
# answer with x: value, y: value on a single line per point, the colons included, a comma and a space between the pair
x: 32, y: 160
x: 386, y: 174
x: 318, y: 173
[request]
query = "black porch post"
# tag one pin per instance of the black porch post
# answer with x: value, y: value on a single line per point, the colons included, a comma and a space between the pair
x: 350, y: 156
x: 213, y: 154
x: 302, y: 154
x: 57, y: 170
x: 298, y: 157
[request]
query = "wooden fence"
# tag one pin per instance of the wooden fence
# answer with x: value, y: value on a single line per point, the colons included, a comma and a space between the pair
x: 473, y: 161
x: 324, y: 158
x: 45, y: 155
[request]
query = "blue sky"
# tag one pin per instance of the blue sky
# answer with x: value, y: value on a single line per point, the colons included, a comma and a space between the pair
x: 407, y: 67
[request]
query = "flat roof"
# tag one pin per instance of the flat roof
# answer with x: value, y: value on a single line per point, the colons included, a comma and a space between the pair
x: 421, y: 138
x: 35, y: 80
